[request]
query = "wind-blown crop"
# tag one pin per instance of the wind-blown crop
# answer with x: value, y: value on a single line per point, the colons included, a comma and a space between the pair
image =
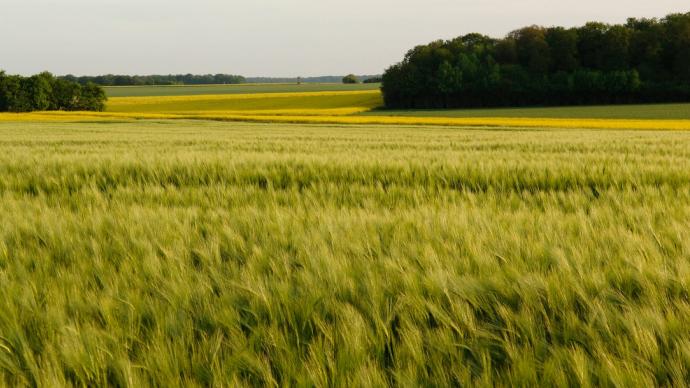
x: 178, y: 253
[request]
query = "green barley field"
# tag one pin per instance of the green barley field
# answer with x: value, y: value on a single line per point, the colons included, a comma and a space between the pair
x: 679, y: 111
x: 174, y: 253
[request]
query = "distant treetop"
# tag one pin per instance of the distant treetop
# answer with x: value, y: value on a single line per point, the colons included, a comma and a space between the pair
x: 350, y: 79
x: 172, y: 79
x: 373, y: 80
x: 289, y: 80
x: 191, y: 79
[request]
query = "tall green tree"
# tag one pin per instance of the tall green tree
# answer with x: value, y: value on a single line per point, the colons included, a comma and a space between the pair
x: 678, y: 44
x: 646, y: 47
x: 66, y: 95
x: 40, y: 89
x: 591, y: 44
x: 92, y: 98
x: 615, y: 52
x: 562, y: 48
x: 4, y: 98
x: 533, y: 51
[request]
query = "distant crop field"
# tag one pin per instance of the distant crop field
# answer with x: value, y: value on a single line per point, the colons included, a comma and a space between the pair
x: 187, y: 90
x: 648, y: 111
x: 350, y: 116
x: 361, y: 107
x: 201, y: 253
x: 324, y: 103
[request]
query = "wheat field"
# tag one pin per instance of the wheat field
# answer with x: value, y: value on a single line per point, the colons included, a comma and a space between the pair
x: 201, y: 253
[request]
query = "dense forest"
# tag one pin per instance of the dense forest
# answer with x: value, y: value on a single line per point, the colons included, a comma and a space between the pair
x: 644, y: 60
x: 172, y: 79
x: 46, y: 92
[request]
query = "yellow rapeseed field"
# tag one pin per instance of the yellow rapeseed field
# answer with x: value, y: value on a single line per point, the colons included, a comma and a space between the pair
x: 296, y: 104
x: 114, y: 101
x: 315, y: 117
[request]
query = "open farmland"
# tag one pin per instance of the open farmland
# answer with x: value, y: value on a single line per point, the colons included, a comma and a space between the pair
x: 191, y: 90
x: 360, y: 107
x: 645, y: 112
x: 322, y: 103
x: 334, y: 195
x: 183, y: 253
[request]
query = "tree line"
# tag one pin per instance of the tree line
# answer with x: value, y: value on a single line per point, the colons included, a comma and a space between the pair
x: 306, y: 80
x: 171, y: 79
x: 643, y: 60
x: 45, y: 92
x: 353, y: 79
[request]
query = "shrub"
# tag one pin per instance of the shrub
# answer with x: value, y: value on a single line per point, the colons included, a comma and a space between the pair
x: 350, y: 79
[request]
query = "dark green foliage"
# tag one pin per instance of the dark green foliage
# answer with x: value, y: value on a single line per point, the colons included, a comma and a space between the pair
x: 532, y: 49
x: 562, y: 48
x: 66, y: 94
x: 350, y: 79
x: 324, y: 79
x: 372, y: 80
x: 645, y: 60
x: 44, y: 92
x: 172, y: 79
x: 39, y: 89
x: 92, y: 97
x: 13, y: 97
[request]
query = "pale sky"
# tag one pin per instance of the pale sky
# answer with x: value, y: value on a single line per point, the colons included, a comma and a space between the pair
x: 267, y: 37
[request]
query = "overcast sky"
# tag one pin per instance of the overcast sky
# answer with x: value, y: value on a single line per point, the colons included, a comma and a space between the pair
x: 267, y: 37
